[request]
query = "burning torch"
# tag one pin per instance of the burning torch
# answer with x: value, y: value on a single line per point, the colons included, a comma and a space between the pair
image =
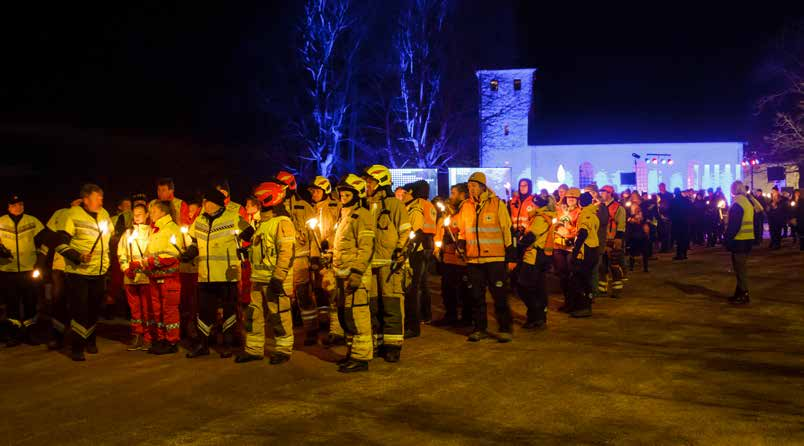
x: 103, y: 227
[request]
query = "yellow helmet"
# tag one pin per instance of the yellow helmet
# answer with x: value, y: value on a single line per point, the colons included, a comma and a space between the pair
x: 355, y: 184
x: 323, y: 184
x: 380, y: 173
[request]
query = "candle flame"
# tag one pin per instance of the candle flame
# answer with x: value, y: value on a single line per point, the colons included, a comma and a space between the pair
x: 447, y: 221
x: 36, y: 274
x: 721, y: 204
x: 104, y: 226
x: 312, y: 223
x: 628, y: 204
x: 185, y: 229
x: 412, y: 235
x: 440, y: 206
x: 172, y: 239
x: 438, y: 244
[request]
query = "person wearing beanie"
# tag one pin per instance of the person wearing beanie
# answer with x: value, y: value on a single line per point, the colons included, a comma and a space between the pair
x: 423, y: 216
x: 20, y: 238
x: 216, y: 236
x: 392, y: 230
x: 584, y: 258
x: 485, y: 237
x: 611, y: 264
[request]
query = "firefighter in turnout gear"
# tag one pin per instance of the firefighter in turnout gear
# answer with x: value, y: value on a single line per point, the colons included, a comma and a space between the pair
x: 565, y: 232
x: 216, y: 236
x: 423, y: 216
x: 327, y: 213
x: 271, y: 255
x: 130, y: 254
x: 611, y: 265
x: 83, y: 241
x: 392, y: 229
x: 301, y: 212
x: 583, y: 259
x: 536, y: 248
x: 162, y: 267
x: 485, y: 237
x: 351, y: 261
x: 21, y: 269
x: 454, y: 280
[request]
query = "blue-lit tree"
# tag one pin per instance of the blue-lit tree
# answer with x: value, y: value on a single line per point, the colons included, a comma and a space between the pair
x: 327, y: 50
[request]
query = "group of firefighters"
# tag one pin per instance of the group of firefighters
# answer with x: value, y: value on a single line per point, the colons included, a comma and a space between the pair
x: 355, y: 258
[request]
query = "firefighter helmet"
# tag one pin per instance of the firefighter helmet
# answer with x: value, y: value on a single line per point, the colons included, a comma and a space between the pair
x: 287, y: 178
x: 380, y: 173
x: 270, y: 193
x: 323, y: 184
x: 354, y: 183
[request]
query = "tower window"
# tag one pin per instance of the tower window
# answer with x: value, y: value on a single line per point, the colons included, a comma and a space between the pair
x: 517, y: 84
x: 495, y: 85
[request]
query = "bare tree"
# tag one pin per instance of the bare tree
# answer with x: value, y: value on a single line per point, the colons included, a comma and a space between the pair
x: 786, y: 139
x: 419, y: 45
x: 327, y: 52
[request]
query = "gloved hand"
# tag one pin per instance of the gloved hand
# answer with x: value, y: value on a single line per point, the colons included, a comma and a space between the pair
x: 461, y: 245
x: 511, y: 254
x: 242, y: 254
x: 315, y: 263
x: 324, y: 246
x: 275, y: 285
x: 135, y: 265
x: 396, y: 256
x: 354, y: 282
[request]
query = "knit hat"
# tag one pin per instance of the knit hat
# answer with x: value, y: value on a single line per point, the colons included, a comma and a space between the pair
x: 478, y: 177
x: 586, y: 199
x: 214, y: 195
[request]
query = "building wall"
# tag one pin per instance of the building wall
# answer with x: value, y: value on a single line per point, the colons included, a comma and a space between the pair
x: 504, y: 119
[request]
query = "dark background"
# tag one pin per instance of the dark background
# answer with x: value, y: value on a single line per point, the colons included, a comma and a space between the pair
x: 123, y: 94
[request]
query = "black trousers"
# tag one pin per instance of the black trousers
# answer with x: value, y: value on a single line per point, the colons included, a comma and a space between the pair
x: 84, y: 295
x: 581, y: 280
x: 759, y: 227
x: 775, y: 227
x: 491, y: 275
x: 417, y: 301
x: 665, y: 235
x: 639, y: 246
x: 561, y: 266
x: 214, y: 295
x: 455, y: 291
x: 59, y: 314
x: 532, y: 287
x: 681, y: 233
x: 19, y: 293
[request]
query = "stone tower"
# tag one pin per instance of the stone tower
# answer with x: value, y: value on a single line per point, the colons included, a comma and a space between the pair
x: 506, y: 97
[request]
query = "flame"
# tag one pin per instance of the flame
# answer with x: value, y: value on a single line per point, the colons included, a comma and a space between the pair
x: 103, y: 226
x: 793, y: 203
x: 131, y: 238
x: 172, y: 239
x: 628, y: 204
x: 412, y: 235
x: 721, y: 204
x: 185, y: 229
x: 447, y: 221
x: 312, y: 223
x: 440, y: 206
x: 36, y: 274
x: 555, y: 220
x: 438, y: 244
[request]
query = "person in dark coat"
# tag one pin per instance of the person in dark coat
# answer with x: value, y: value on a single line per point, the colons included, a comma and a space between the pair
x: 680, y: 213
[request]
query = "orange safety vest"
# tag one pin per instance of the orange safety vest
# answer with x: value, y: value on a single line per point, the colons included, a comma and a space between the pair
x: 449, y: 248
x: 430, y: 217
x: 521, y: 211
x: 612, y: 229
x: 483, y: 236
x: 568, y: 220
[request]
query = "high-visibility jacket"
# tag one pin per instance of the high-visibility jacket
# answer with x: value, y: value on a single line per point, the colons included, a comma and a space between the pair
x: 216, y: 237
x: 180, y: 209
x: 128, y: 252
x: 521, y: 209
x: 587, y: 219
x: 84, y: 230
x: 616, y: 219
x: 354, y: 242
x: 300, y: 212
x: 163, y: 255
x: 422, y: 215
x: 391, y: 226
x: 19, y: 239
x: 567, y: 227
x: 271, y: 252
x: 541, y: 225
x: 486, y: 227
x: 190, y: 267
x: 449, y: 249
x: 746, y: 231
x: 56, y: 221
x: 327, y: 212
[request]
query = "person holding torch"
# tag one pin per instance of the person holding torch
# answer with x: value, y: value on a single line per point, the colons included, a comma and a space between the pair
x: 21, y: 268
x: 83, y: 241
x: 135, y: 283
x: 454, y: 281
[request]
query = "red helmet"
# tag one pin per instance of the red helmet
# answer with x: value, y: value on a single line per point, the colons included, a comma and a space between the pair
x: 270, y: 193
x: 287, y: 178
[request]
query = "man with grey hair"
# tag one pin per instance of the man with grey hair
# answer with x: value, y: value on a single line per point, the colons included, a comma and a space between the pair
x: 739, y: 238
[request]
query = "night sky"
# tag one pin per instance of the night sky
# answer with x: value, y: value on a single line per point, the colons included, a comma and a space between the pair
x: 99, y: 94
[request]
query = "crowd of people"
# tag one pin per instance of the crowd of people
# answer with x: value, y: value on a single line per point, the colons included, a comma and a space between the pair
x: 349, y: 257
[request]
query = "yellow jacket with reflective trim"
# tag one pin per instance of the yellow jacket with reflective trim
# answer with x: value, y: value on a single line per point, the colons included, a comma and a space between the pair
x: 391, y: 226
x: 126, y: 252
x: 84, y: 229
x: 56, y: 221
x: 541, y: 226
x: 354, y: 242
x: 746, y: 231
x: 300, y: 212
x: 217, y: 246
x: 159, y: 245
x: 19, y: 239
x: 272, y: 251
x: 588, y: 220
x: 486, y: 226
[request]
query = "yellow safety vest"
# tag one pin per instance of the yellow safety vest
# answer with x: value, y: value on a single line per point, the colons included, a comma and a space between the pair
x: 56, y: 221
x: 588, y: 220
x: 747, y: 225
x: 267, y: 251
x: 85, y: 230
x: 128, y: 252
x: 159, y: 244
x: 217, y: 247
x: 19, y: 239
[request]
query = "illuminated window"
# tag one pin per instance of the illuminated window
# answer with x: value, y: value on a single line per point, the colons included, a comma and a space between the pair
x: 495, y: 85
x: 517, y: 84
